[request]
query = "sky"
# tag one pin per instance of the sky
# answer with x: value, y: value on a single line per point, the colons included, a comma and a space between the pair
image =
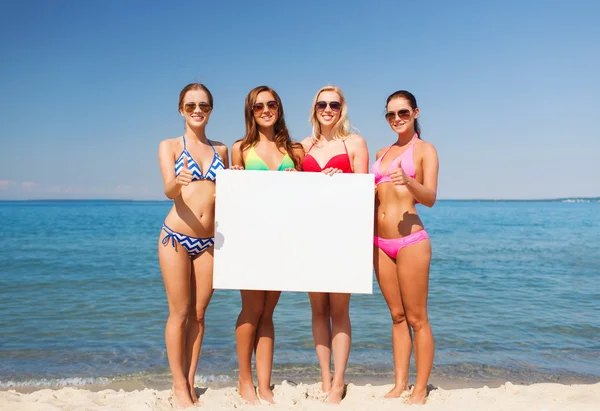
x: 509, y: 91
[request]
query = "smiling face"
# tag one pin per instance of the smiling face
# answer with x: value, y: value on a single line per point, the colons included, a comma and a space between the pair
x: 196, y: 108
x: 327, y: 115
x: 401, y: 116
x: 265, y: 109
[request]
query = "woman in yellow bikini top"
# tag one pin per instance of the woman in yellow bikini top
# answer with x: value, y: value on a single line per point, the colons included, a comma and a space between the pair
x: 255, y: 162
x: 267, y: 146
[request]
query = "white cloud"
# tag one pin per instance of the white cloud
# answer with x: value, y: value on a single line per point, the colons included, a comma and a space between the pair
x: 29, y: 186
x: 6, y: 185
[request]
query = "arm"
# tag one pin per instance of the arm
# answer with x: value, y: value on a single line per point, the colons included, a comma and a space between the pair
x: 223, y: 153
x: 426, y: 193
x: 360, y: 162
x: 237, y: 160
x: 166, y: 161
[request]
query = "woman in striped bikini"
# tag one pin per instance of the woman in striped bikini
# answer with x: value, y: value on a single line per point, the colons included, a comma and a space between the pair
x: 266, y: 146
x: 185, y: 246
x: 332, y: 144
x: 406, y: 173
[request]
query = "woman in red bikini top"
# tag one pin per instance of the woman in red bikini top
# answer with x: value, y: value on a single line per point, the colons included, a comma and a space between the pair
x: 406, y: 173
x: 332, y: 149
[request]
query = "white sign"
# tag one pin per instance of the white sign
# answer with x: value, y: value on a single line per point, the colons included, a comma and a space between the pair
x: 294, y: 231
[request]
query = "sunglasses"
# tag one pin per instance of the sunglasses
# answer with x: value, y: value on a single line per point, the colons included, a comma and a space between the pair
x: 403, y: 115
x: 272, y: 105
x: 191, y: 107
x: 334, y: 105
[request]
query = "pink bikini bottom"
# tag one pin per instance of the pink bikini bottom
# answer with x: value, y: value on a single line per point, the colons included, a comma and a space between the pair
x: 391, y: 246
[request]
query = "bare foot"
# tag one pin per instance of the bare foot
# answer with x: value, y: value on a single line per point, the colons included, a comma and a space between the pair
x: 181, y: 397
x: 193, y: 395
x: 266, y: 394
x: 397, y: 391
x: 326, y: 382
x: 248, y: 393
x: 335, y: 394
x: 417, y: 397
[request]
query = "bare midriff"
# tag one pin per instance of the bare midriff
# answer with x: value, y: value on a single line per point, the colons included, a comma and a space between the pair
x: 395, y: 212
x: 193, y: 212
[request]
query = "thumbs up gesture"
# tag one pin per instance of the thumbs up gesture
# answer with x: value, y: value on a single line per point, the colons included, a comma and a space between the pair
x: 185, y: 175
x: 398, y: 176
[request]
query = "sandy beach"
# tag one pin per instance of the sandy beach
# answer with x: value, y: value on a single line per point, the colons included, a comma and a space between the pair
x: 291, y: 396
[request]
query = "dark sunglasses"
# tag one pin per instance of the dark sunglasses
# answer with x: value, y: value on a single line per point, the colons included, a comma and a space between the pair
x: 403, y: 115
x: 191, y: 107
x: 322, y: 105
x: 272, y: 105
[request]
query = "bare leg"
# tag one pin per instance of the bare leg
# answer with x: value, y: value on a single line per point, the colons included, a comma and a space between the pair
x: 202, y: 291
x: 341, y: 331
x: 387, y: 276
x: 321, y: 330
x: 413, y: 275
x: 176, y: 271
x: 265, y: 340
x: 245, y: 334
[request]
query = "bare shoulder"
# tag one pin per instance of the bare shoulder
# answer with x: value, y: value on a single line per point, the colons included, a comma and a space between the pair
x: 380, y: 152
x: 426, y: 148
x: 217, y: 143
x: 220, y: 147
x: 356, y: 141
x: 306, y: 143
x: 306, y: 140
x: 355, y: 138
x: 236, y: 145
x: 169, y: 144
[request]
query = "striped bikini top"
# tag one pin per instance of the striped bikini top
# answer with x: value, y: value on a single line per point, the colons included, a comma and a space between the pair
x: 211, y: 173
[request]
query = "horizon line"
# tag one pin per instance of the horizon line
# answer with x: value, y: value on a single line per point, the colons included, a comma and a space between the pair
x: 168, y: 200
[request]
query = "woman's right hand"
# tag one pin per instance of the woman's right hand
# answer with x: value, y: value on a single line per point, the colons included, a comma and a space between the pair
x: 236, y: 168
x: 185, y: 175
x: 331, y: 171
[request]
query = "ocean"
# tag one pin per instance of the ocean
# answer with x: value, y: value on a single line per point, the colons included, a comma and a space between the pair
x: 514, y: 296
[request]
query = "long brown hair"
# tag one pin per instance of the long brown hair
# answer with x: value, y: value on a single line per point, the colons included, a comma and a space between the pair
x: 282, y: 136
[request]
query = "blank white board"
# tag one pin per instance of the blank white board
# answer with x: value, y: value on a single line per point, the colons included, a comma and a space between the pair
x: 294, y: 231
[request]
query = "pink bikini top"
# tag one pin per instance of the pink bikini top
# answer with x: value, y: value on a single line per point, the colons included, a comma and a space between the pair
x: 406, y: 158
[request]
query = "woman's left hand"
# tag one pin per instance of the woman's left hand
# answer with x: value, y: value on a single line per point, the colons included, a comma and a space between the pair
x: 290, y: 169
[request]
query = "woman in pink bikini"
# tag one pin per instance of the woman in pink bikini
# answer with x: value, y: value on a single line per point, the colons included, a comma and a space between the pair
x: 333, y: 145
x: 406, y: 173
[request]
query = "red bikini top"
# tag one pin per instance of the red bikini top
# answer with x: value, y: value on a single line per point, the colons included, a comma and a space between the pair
x: 339, y: 161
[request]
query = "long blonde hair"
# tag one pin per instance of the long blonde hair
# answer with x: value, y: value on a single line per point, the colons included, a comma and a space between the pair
x: 342, y: 127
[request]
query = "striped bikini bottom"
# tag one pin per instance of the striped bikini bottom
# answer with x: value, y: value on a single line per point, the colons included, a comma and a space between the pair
x: 193, y: 245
